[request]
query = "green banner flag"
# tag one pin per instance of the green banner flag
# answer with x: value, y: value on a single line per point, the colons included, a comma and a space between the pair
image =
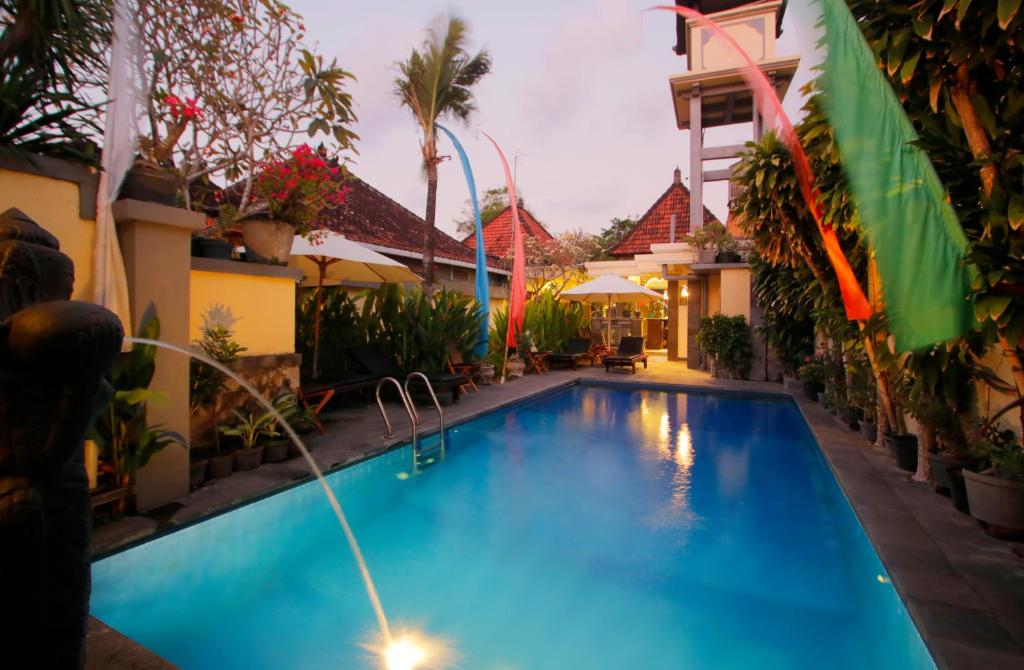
x: 913, y: 231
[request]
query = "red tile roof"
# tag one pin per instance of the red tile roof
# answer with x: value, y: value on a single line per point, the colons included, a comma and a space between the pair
x: 371, y: 217
x: 653, y: 226
x: 498, y: 232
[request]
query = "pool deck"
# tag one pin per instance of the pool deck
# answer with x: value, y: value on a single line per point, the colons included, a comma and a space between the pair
x: 964, y: 589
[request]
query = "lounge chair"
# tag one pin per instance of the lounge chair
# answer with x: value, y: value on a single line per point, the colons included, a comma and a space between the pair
x: 629, y: 353
x: 316, y: 394
x: 457, y: 366
x: 374, y: 361
x: 578, y: 349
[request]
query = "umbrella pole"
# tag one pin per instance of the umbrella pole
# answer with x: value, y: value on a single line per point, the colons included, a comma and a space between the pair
x: 316, y: 318
x: 609, y: 342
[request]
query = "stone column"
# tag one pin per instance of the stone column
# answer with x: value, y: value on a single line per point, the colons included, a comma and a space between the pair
x: 673, y: 320
x: 155, y: 241
x: 694, y: 310
x: 696, y: 162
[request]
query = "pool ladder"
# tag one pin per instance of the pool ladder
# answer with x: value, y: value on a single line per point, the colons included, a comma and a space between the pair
x: 420, y: 456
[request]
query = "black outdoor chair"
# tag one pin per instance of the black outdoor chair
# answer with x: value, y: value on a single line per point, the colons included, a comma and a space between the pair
x: 374, y: 361
x: 629, y: 353
x: 577, y: 350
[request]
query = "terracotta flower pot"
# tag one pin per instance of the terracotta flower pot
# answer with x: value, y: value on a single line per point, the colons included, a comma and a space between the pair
x: 994, y: 500
x: 942, y: 464
x: 706, y: 256
x: 486, y: 375
x: 268, y: 241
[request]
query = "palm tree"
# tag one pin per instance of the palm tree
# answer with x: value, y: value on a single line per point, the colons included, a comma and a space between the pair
x: 434, y: 82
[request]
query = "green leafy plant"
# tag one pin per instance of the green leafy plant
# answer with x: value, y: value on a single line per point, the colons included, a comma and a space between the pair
x: 551, y: 323
x: 999, y: 450
x: 727, y: 339
x: 712, y: 235
x: 51, y: 53
x: 299, y: 416
x: 121, y: 428
x: 813, y: 371
x: 206, y: 383
x: 251, y: 426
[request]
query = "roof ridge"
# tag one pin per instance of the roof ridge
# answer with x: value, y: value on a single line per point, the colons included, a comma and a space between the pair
x: 639, y: 225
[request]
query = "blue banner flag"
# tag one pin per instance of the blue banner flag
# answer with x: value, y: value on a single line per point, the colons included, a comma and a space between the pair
x: 483, y: 291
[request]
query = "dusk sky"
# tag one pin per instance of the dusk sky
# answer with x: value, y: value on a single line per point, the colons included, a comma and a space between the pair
x: 578, y: 88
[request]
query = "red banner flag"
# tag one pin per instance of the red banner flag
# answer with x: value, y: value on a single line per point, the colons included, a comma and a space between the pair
x: 517, y: 292
x: 856, y: 303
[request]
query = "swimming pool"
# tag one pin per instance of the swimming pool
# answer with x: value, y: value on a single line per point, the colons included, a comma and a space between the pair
x: 593, y: 528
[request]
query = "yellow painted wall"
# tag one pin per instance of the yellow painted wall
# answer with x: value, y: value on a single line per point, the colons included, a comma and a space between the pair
x: 714, y: 294
x: 53, y: 204
x: 260, y: 310
x: 735, y: 292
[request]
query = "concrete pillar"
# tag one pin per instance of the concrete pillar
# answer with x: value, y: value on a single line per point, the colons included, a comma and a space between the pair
x: 694, y: 310
x: 155, y: 241
x: 674, y: 323
x: 696, y: 162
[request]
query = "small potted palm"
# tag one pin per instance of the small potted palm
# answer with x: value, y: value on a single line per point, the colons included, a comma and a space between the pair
x: 206, y: 385
x: 250, y: 428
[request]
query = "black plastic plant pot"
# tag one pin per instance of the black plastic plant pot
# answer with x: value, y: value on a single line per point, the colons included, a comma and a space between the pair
x: 942, y: 464
x: 209, y: 248
x: 727, y: 257
x: 904, y: 448
x: 811, y: 391
x: 958, y: 490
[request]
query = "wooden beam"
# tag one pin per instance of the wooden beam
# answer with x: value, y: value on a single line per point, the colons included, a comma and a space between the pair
x: 718, y: 175
x: 730, y: 107
x: 718, y: 153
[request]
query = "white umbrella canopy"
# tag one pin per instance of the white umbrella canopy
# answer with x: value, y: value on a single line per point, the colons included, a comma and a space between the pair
x: 332, y: 258
x: 610, y: 288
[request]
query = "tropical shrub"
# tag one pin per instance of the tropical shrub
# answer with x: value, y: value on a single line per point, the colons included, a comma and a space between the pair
x: 549, y: 324
x: 51, y: 54
x: 812, y: 372
x: 126, y: 438
x: 341, y: 328
x: 727, y: 339
x: 298, y: 188
x: 412, y: 328
x: 206, y: 383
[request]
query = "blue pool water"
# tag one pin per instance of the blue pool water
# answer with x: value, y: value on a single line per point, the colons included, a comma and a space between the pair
x: 591, y: 529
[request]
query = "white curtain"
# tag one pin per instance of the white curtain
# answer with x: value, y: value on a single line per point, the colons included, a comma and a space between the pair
x: 120, y: 140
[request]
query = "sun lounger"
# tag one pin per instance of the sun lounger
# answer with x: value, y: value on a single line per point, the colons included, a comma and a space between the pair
x: 629, y: 353
x: 374, y: 361
x: 578, y: 349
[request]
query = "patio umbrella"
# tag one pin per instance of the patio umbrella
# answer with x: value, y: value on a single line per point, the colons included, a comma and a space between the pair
x: 610, y: 288
x: 333, y: 258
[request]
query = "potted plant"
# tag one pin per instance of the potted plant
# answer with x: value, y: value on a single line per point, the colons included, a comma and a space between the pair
x: 995, y: 489
x: 293, y: 192
x: 300, y: 417
x: 251, y: 426
x: 121, y: 429
x: 726, y: 341
x: 206, y: 385
x: 211, y: 242
x: 725, y: 244
x: 152, y: 178
x: 812, y: 375
x: 703, y: 241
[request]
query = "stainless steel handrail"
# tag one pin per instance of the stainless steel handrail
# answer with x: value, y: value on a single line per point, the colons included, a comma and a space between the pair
x: 433, y: 396
x: 409, y: 409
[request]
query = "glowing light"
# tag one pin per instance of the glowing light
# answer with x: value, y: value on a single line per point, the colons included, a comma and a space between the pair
x: 686, y: 290
x: 882, y: 579
x: 403, y: 655
x: 410, y: 649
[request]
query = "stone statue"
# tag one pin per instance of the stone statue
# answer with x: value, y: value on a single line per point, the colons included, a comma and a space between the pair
x: 54, y: 353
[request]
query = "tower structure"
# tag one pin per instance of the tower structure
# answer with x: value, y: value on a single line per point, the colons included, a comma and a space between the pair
x: 712, y: 92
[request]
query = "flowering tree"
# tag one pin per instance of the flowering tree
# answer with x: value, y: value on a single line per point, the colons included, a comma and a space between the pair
x: 558, y: 263
x: 250, y: 85
x: 298, y: 188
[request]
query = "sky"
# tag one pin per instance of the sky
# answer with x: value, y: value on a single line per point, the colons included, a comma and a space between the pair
x: 578, y: 90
